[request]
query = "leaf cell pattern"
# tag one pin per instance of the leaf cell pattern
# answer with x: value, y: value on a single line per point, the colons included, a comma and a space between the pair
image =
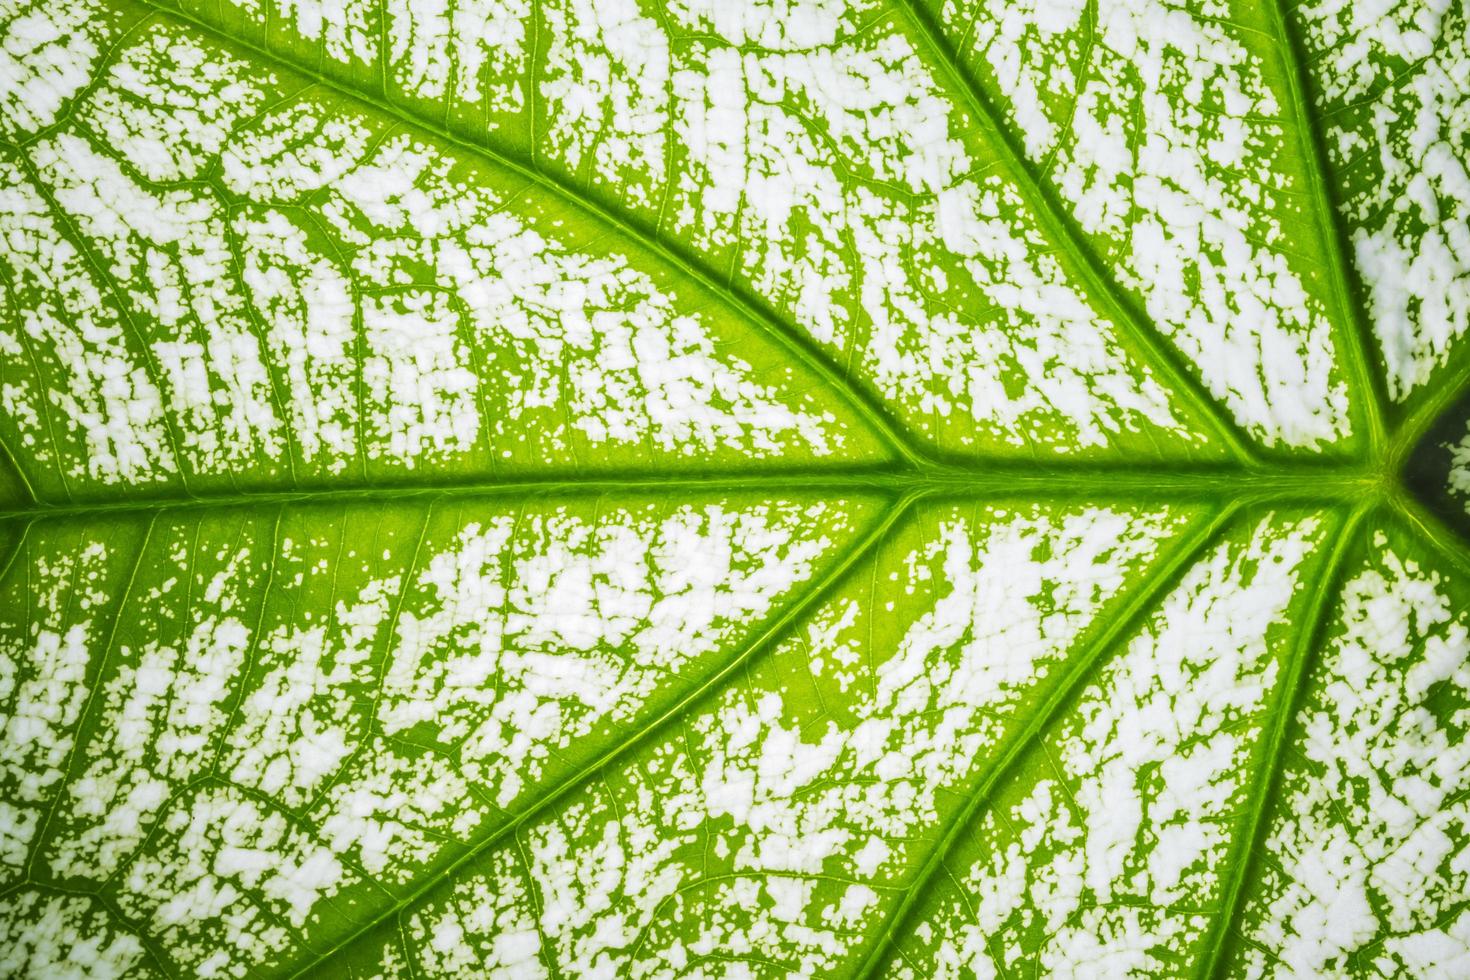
x: 652, y: 488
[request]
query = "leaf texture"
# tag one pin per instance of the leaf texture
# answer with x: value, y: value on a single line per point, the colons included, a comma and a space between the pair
x: 800, y: 488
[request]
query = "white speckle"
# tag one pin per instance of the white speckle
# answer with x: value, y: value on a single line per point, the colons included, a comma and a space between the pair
x: 45, y: 654
x: 1162, y: 131
x: 1392, y: 76
x: 64, y: 936
x: 47, y: 55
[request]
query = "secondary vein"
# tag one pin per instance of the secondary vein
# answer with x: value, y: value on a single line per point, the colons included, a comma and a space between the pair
x: 1325, y: 213
x: 1243, y: 857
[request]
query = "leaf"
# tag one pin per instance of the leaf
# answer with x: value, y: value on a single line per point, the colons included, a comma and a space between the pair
x: 690, y: 489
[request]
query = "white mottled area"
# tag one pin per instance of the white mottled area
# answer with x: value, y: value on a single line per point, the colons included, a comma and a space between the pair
x: 313, y: 344
x: 588, y: 331
x: 769, y: 831
x: 484, y: 929
x: 854, y: 195
x: 252, y: 759
x: 1103, y: 856
x: 170, y: 104
x: 807, y: 151
x: 1161, y: 132
x: 160, y: 116
x: 1459, y: 476
x: 167, y: 255
x: 345, y: 31
x: 372, y: 299
x: 48, y: 52
x: 228, y: 881
x: 607, y: 90
x: 162, y: 713
x: 1368, y: 867
x: 418, y: 375
x: 47, y: 638
x: 50, y: 935
x: 509, y: 648
x: 91, y: 409
x: 1393, y: 77
x: 469, y: 51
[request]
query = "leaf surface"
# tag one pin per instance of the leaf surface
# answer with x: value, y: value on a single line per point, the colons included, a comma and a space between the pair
x: 694, y: 489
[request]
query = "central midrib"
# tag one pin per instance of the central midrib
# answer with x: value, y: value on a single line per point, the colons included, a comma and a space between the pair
x: 1288, y: 482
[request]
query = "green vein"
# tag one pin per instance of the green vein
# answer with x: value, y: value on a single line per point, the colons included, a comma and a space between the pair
x: 1077, y: 672
x: 523, y: 865
x: 262, y: 335
x: 1060, y: 228
x: 1432, y: 530
x: 252, y: 649
x: 7, y: 457
x: 1328, y: 218
x: 15, y: 546
x: 769, y: 634
x: 1265, y: 786
x: 58, y: 458
x: 384, y: 666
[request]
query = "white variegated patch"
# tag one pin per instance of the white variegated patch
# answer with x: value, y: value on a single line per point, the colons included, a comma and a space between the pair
x: 50, y: 935
x: 267, y: 282
x: 809, y: 152
x: 46, y: 657
x: 1392, y: 79
x: 283, y: 722
x: 1459, y: 477
x: 776, y: 826
x: 1368, y: 865
x: 1105, y: 854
